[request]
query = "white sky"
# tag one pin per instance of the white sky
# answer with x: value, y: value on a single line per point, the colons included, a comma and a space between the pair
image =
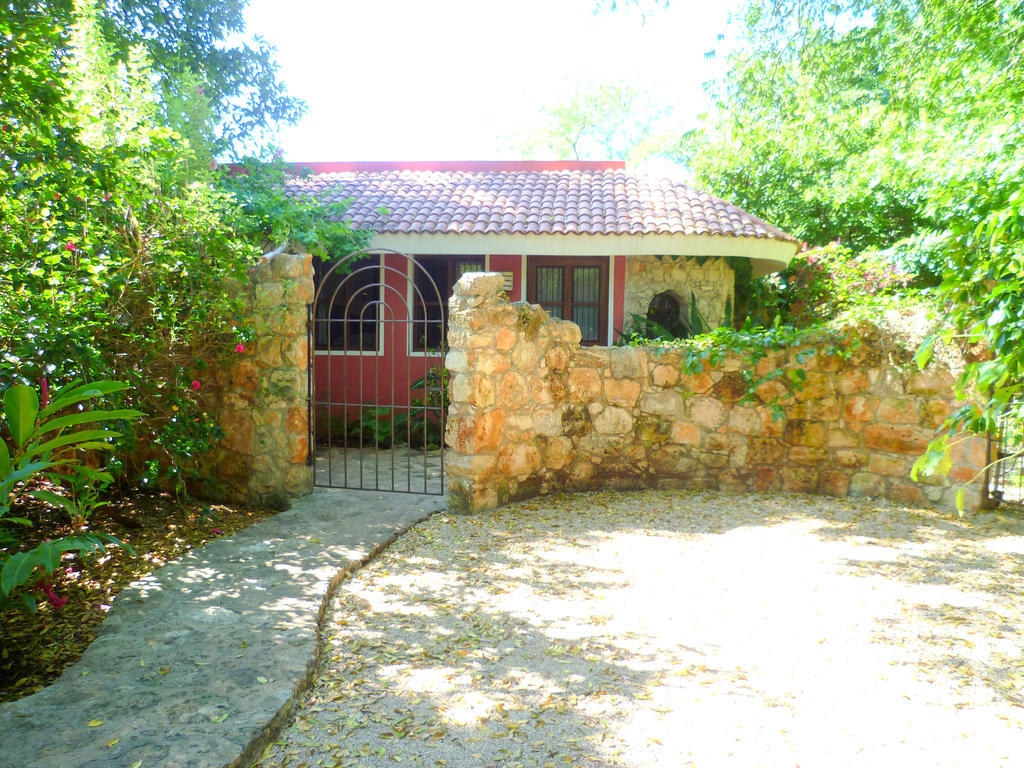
x: 458, y: 79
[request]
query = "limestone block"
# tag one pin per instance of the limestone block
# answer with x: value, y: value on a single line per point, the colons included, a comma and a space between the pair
x: 456, y: 361
x: 730, y: 388
x: 628, y: 363
x: 518, y: 460
x: 834, y: 483
x: 505, y: 339
x: 934, y: 412
x: 557, y: 358
x: 852, y: 381
x: 860, y: 409
x: 527, y: 355
x: 583, y: 385
x: 685, y: 433
x: 714, y: 441
x: 931, y: 381
x: 547, y: 422
x: 296, y: 421
x: 288, y: 265
x: 867, y: 484
x: 806, y: 455
x: 696, y: 383
x: 704, y: 411
x: 244, y: 376
x: 298, y: 480
x: 567, y: 333
x: 546, y: 390
x: 477, y: 465
x: 668, y: 403
x: 764, y: 450
x: 882, y: 437
x: 898, y: 411
x: 744, y: 420
x: 672, y: 459
x: 714, y: 460
x: 482, y: 340
x: 841, y: 438
x: 909, y: 494
x: 268, y: 353
x: 817, y: 386
x: 487, y: 362
x: 613, y: 421
x: 665, y: 375
x: 268, y: 296
x: 481, y: 432
x: 799, y: 479
x: 849, y: 459
x: 809, y: 433
x: 622, y: 392
x: 514, y: 390
x: 889, y: 466
x: 557, y: 453
x: 479, y: 284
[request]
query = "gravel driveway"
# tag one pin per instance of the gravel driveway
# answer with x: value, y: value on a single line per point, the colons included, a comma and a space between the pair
x: 673, y: 628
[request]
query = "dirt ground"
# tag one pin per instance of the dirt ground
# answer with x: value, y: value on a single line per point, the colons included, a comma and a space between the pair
x: 674, y: 629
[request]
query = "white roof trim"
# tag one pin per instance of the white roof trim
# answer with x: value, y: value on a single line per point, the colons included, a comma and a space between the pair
x: 766, y: 254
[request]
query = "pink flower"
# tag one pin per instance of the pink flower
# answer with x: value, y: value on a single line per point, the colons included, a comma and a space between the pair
x: 52, y: 597
x: 217, y: 531
x: 195, y: 385
x: 239, y: 347
x: 69, y: 246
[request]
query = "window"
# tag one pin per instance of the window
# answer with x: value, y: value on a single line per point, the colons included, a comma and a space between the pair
x: 348, y: 305
x: 572, y: 289
x: 666, y: 313
x: 428, y: 303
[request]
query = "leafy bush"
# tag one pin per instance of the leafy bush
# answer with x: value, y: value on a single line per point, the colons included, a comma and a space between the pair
x: 421, y: 425
x: 820, y: 283
x: 44, y: 441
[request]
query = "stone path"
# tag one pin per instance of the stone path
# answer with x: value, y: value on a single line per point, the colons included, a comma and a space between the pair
x: 199, y: 660
x: 401, y: 469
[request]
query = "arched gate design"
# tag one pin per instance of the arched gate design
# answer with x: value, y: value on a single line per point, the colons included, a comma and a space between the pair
x: 377, y: 384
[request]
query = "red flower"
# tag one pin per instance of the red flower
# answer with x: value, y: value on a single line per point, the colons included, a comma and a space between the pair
x: 52, y: 597
x: 239, y: 347
x: 195, y: 385
x: 69, y: 246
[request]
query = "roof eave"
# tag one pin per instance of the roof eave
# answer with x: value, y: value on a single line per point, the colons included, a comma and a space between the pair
x: 766, y: 254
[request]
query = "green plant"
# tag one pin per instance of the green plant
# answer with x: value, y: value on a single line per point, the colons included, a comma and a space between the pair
x: 373, y: 427
x: 422, y: 423
x: 44, y: 441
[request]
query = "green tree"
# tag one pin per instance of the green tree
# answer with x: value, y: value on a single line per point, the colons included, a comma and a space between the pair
x: 608, y: 121
x: 194, y: 48
x: 893, y: 124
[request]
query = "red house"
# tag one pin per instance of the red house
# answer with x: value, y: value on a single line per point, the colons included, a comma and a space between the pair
x: 588, y: 241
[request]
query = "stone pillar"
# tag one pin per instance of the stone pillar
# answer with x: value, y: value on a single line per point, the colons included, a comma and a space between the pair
x: 505, y: 424
x: 263, y: 398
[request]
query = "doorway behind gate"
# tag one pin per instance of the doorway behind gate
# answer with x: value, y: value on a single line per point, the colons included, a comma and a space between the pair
x: 378, y: 388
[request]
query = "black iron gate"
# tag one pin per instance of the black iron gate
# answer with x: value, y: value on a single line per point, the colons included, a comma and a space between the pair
x: 377, y: 383
x: 1005, y: 475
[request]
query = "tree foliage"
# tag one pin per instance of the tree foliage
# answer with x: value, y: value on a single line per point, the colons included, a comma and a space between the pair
x: 895, y: 125
x: 197, y: 53
x: 607, y: 121
x: 122, y: 248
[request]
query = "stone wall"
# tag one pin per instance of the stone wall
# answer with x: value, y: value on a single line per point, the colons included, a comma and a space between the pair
x: 261, y: 402
x: 711, y: 283
x: 533, y: 412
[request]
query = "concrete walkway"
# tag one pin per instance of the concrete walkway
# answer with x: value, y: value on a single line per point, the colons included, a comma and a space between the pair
x: 200, y: 661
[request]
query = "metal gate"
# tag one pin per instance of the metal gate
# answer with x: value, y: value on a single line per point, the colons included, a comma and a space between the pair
x: 1005, y: 475
x: 377, y: 383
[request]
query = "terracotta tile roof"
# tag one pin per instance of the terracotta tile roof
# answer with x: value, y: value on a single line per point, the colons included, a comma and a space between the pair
x: 525, y: 198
